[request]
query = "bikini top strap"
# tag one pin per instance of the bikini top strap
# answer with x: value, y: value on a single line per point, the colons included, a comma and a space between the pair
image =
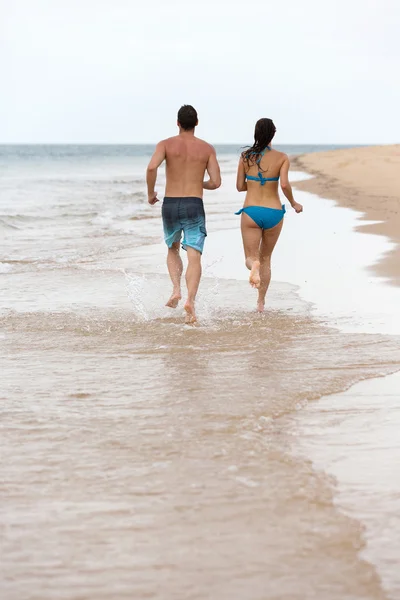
x: 262, y: 154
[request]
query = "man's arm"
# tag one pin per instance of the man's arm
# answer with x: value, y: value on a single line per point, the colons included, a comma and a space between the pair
x: 286, y: 187
x: 214, y: 173
x: 151, y: 173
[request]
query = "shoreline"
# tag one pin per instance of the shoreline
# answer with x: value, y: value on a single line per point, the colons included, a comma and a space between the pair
x: 340, y: 433
x: 324, y: 429
x: 367, y: 180
x: 317, y: 429
x: 360, y: 421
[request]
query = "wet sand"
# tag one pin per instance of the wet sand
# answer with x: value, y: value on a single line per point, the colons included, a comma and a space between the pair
x: 143, y: 458
x: 352, y: 436
x: 358, y: 445
x: 368, y: 180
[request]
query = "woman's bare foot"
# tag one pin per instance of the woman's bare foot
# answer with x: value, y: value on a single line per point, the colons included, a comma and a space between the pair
x: 254, y: 278
x: 260, y: 306
x: 190, y: 313
x: 174, y: 300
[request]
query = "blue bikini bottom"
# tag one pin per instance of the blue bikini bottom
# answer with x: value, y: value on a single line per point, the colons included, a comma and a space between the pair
x: 265, y: 218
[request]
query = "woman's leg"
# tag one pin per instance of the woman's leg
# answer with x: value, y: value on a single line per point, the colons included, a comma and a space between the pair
x: 252, y: 234
x: 269, y: 239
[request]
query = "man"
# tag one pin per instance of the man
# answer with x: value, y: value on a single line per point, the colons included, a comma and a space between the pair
x: 187, y: 159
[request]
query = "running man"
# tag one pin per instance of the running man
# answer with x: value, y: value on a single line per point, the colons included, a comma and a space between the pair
x: 187, y: 159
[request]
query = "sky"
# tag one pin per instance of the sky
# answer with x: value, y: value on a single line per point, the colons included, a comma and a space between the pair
x: 117, y: 71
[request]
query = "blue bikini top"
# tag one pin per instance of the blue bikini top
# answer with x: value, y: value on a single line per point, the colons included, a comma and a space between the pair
x: 260, y: 178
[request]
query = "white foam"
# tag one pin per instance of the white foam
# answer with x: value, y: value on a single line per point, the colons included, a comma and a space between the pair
x: 135, y: 289
x: 5, y: 267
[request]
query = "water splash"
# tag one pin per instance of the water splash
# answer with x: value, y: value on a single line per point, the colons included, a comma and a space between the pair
x: 135, y: 285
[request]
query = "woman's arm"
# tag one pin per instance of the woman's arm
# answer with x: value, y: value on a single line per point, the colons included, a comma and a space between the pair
x: 241, y: 184
x: 286, y: 187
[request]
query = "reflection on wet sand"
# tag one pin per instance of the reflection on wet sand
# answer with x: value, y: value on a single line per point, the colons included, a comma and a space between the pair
x: 155, y: 463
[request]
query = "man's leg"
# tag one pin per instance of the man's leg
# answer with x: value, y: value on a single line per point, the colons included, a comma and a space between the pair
x: 175, y: 270
x: 193, y: 275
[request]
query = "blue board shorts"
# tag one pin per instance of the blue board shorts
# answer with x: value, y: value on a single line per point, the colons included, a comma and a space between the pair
x: 187, y: 215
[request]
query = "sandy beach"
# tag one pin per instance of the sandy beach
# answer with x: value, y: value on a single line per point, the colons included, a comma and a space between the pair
x: 366, y: 179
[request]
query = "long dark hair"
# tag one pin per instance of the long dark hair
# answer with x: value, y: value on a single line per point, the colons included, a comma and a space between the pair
x: 264, y: 132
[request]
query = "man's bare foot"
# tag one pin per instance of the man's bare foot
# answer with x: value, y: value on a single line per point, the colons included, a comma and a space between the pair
x: 260, y: 306
x: 190, y: 318
x: 174, y: 300
x: 254, y: 278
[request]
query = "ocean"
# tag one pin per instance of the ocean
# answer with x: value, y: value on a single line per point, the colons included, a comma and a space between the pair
x: 143, y: 458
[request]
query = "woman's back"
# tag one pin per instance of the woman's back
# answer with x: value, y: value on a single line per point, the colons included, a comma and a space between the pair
x: 262, y: 176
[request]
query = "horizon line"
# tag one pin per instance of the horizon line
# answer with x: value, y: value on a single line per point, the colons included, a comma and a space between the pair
x: 214, y: 143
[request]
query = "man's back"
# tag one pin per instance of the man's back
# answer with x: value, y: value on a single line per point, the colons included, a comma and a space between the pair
x: 186, y: 158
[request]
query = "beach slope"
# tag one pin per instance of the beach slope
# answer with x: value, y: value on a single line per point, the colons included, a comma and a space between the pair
x: 366, y: 179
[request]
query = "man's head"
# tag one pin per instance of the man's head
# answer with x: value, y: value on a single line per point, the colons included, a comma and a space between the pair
x: 187, y: 117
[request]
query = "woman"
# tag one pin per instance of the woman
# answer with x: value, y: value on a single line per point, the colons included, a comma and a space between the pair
x: 260, y: 168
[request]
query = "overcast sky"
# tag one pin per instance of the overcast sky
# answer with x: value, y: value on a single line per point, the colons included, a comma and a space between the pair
x: 118, y: 70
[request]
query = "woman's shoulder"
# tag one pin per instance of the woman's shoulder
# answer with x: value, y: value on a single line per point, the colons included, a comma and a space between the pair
x: 280, y: 157
x: 280, y: 154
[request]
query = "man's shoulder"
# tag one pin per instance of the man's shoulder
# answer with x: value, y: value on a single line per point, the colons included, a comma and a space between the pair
x: 169, y: 140
x: 205, y: 145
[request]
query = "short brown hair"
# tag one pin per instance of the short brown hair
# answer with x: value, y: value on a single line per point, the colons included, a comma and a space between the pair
x: 187, y: 117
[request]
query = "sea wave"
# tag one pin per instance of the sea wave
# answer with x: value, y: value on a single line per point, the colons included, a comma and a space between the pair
x: 146, y: 216
x: 7, y: 225
x: 140, y: 181
x: 128, y: 211
x: 5, y: 268
x: 71, y: 181
x: 88, y: 215
x: 141, y: 196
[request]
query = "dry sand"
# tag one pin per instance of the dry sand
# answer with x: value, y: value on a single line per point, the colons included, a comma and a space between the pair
x: 366, y: 179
